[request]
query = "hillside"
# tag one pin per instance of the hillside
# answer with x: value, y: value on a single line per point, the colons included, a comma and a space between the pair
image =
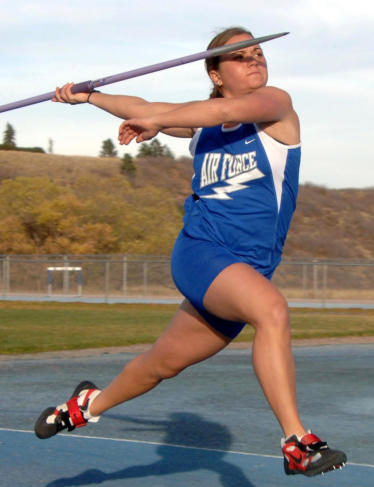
x: 328, y: 224
x: 332, y: 224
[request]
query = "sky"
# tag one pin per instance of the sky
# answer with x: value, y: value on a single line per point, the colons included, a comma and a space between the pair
x: 326, y: 63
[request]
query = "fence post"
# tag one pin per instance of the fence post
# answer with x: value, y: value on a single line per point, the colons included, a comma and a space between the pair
x: 304, y: 268
x: 65, y: 278
x: 49, y: 282
x: 324, y: 284
x: 124, y: 274
x: 107, y: 277
x: 315, y: 278
x: 6, y: 275
x: 145, y: 278
x: 80, y: 282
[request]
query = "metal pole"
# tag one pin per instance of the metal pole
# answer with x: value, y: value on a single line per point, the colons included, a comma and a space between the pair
x: 65, y: 278
x: 304, y: 278
x: 50, y: 282
x: 107, y: 277
x: 79, y: 280
x: 88, y: 86
x: 315, y: 279
x: 324, y: 284
x: 6, y: 275
x: 145, y: 278
x: 124, y: 274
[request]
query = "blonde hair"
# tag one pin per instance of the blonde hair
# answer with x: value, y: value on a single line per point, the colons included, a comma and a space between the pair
x: 220, y: 39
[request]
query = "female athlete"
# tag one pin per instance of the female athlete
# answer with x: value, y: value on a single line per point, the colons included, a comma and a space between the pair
x: 246, y: 148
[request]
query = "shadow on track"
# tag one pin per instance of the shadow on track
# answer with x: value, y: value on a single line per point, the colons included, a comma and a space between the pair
x: 182, y: 429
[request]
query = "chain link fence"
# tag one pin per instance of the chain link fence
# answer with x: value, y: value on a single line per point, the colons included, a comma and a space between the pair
x: 128, y: 278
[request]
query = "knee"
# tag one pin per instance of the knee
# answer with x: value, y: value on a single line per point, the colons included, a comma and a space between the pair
x: 275, y: 318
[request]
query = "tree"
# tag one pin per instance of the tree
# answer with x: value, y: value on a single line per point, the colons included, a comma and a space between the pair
x: 127, y: 165
x: 154, y: 149
x: 107, y: 149
x: 9, y: 139
x: 167, y: 152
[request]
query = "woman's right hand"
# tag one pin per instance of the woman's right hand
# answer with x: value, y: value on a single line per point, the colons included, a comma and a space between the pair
x: 64, y: 95
x: 140, y: 129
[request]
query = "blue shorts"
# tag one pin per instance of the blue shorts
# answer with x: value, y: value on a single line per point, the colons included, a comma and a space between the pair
x: 194, y: 265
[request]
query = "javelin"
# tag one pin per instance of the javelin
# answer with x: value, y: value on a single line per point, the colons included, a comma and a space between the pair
x: 88, y: 86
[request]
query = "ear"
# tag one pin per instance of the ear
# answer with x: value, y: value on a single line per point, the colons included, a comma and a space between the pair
x: 215, y: 77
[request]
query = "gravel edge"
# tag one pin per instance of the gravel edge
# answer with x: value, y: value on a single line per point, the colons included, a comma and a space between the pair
x: 313, y: 342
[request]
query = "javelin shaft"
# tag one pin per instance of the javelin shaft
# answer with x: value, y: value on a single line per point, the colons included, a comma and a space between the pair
x: 87, y: 86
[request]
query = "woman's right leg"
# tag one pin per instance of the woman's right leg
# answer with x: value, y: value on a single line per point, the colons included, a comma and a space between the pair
x: 186, y: 341
x: 241, y: 293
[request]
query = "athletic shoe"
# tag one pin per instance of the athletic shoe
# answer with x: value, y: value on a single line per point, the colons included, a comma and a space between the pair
x: 70, y: 415
x: 310, y: 456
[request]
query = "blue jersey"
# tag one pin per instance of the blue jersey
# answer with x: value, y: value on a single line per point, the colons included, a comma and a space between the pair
x: 245, y: 188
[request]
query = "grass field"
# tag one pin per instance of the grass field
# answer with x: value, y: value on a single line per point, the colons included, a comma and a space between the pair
x: 41, y: 327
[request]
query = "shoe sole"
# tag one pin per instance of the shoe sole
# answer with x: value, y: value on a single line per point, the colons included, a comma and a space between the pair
x: 336, y: 461
x: 42, y: 429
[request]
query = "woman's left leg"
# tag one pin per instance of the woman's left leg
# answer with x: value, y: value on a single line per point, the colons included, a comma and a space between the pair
x: 187, y: 340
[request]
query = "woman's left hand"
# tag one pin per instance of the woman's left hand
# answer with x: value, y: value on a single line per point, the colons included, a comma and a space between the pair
x: 140, y: 129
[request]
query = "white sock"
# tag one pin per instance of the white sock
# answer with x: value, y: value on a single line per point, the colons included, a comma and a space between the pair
x: 86, y: 411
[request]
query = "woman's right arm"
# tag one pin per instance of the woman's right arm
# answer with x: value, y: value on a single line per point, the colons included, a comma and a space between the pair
x: 121, y: 106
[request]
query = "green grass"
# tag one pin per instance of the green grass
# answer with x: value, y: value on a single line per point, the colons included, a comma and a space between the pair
x: 41, y: 327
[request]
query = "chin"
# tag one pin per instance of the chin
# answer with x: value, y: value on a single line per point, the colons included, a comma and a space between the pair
x: 256, y: 86
x: 258, y: 82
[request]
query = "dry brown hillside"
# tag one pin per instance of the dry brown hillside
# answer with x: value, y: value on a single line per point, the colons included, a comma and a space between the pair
x: 174, y: 175
x: 332, y: 224
x: 328, y: 223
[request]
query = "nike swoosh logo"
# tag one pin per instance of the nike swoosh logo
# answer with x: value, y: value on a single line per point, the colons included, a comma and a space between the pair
x: 249, y: 141
x: 297, y: 459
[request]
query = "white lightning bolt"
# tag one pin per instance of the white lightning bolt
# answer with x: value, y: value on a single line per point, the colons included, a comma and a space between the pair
x: 234, y: 184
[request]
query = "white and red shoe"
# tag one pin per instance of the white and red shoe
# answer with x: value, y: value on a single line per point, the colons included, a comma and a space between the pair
x: 70, y: 415
x: 310, y: 456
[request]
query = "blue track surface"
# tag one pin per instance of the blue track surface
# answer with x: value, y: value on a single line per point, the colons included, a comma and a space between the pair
x: 211, y: 425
